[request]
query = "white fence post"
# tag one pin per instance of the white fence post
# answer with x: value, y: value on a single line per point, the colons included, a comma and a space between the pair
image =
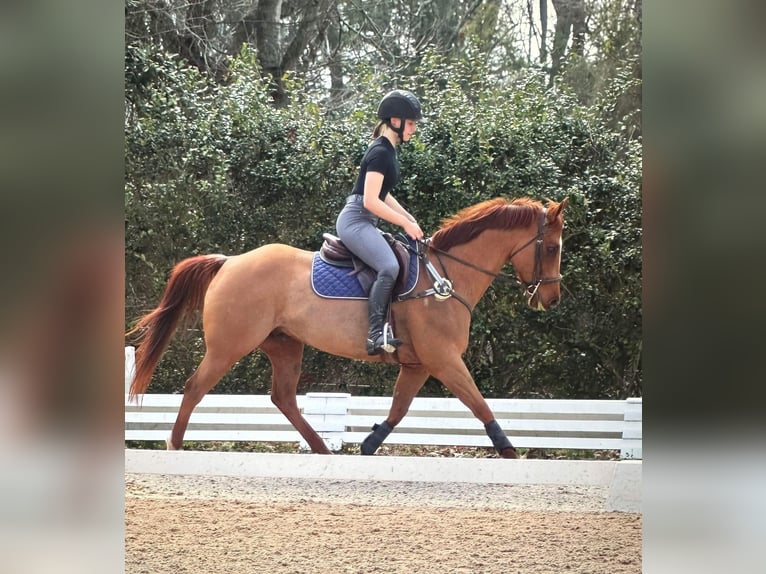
x: 130, y: 367
x: 326, y: 413
x: 632, y: 433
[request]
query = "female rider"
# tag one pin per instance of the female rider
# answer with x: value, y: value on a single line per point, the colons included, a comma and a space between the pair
x: 371, y: 200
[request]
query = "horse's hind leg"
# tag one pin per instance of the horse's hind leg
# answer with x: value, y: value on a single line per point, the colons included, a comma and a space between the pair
x: 286, y: 355
x: 209, y: 372
x: 409, y: 382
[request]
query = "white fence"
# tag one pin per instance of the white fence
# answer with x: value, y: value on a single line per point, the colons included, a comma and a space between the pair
x: 340, y: 418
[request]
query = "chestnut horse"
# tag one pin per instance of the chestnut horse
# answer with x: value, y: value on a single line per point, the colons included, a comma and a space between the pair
x: 263, y: 300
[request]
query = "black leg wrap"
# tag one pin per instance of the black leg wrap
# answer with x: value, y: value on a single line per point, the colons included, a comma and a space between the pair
x: 376, y: 437
x: 496, y: 434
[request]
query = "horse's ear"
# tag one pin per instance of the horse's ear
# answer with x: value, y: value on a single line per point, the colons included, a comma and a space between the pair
x: 555, y: 212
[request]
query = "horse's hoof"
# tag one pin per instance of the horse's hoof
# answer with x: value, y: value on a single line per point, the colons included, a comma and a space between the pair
x: 509, y: 452
x: 369, y: 445
x: 169, y: 445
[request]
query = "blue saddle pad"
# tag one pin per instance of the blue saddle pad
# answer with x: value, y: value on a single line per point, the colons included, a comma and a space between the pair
x: 338, y: 283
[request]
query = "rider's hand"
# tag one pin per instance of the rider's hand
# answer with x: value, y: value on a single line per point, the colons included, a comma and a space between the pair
x: 412, y: 229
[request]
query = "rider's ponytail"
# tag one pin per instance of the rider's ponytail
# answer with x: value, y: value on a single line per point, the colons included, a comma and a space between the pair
x: 378, y: 129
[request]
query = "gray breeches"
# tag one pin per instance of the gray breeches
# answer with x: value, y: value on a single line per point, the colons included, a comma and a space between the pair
x: 356, y: 227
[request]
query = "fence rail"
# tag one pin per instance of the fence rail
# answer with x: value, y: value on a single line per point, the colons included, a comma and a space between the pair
x: 340, y: 418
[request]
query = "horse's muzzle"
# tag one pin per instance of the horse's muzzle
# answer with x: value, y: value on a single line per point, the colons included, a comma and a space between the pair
x: 536, y: 302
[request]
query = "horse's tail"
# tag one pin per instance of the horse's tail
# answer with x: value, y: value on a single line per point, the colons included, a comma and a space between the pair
x: 185, y: 292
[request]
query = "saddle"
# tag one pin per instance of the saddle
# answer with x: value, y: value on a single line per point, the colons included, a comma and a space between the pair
x: 334, y: 252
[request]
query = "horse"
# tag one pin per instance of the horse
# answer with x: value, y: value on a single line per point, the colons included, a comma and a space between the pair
x: 262, y: 299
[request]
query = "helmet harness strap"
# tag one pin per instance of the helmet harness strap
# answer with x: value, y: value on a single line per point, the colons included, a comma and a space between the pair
x: 399, y: 131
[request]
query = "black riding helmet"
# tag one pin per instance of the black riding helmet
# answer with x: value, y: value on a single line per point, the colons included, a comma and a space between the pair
x: 399, y: 104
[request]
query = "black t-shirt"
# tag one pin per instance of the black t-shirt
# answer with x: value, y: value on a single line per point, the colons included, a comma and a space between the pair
x: 379, y: 157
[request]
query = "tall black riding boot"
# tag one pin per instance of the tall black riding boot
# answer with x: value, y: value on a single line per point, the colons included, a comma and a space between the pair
x: 378, y: 338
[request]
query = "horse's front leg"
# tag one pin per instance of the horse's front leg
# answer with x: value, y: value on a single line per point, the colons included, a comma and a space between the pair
x: 408, y: 383
x: 456, y: 377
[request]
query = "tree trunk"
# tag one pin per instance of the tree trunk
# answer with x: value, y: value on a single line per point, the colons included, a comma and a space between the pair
x: 578, y: 27
x: 268, y: 42
x: 569, y: 14
x: 335, y: 61
x: 245, y: 31
x: 311, y: 24
x: 543, y: 30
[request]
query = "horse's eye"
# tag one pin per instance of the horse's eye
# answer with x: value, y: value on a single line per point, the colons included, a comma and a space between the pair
x: 552, y: 249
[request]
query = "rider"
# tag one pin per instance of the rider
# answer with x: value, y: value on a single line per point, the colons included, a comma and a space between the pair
x: 372, y: 200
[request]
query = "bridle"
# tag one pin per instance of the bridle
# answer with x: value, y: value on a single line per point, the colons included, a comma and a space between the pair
x: 537, y: 274
x: 530, y: 287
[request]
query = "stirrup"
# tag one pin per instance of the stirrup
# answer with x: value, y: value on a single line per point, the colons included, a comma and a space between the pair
x: 390, y: 343
x: 384, y: 341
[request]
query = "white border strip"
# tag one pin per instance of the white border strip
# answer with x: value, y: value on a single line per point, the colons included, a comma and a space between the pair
x: 622, y: 477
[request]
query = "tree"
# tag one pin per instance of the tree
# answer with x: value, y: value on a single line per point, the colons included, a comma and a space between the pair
x: 320, y: 41
x: 208, y: 33
x: 570, y: 21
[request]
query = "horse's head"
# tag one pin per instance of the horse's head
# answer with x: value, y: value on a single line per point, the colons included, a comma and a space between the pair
x: 537, y: 261
x: 530, y: 239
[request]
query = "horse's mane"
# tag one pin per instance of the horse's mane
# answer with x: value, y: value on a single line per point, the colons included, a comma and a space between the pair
x: 498, y: 213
